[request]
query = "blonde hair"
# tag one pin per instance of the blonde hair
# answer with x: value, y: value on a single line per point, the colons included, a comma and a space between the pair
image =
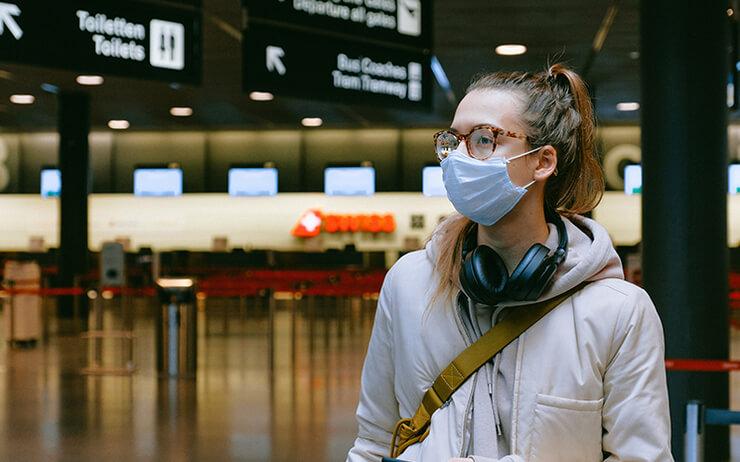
x: 557, y: 111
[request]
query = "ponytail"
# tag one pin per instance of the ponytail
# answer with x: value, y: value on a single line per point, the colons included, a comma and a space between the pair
x: 569, y: 194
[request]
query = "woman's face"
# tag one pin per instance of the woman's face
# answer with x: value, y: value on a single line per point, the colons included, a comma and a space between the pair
x: 500, y: 109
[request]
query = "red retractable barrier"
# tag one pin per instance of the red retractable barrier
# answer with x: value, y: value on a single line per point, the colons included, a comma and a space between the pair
x: 249, y: 283
x: 701, y: 365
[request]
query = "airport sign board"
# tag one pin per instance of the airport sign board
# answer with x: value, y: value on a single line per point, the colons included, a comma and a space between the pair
x: 133, y: 39
x: 305, y: 65
x: 404, y: 23
x: 371, y: 52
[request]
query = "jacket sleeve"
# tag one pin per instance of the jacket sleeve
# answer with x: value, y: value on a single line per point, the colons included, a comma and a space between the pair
x: 636, y: 419
x: 377, y: 412
x: 511, y: 458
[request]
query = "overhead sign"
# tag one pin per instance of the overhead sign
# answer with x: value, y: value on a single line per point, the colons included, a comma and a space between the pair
x: 304, y: 65
x: 122, y: 38
x: 405, y: 23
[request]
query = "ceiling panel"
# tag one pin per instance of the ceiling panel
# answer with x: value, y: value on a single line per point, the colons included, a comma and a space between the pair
x: 465, y: 35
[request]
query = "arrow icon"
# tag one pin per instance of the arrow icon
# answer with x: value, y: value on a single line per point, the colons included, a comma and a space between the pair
x: 274, y: 62
x: 7, y: 11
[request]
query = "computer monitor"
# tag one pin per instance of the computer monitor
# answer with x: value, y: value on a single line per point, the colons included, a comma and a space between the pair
x: 247, y: 181
x: 158, y: 182
x: 349, y: 181
x: 733, y: 180
x: 633, y: 179
x: 51, y: 182
x: 431, y: 181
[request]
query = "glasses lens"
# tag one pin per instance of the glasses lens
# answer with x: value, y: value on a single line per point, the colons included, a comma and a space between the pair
x: 445, y: 143
x: 482, y: 143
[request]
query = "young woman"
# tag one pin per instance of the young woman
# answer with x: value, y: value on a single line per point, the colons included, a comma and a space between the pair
x: 584, y: 383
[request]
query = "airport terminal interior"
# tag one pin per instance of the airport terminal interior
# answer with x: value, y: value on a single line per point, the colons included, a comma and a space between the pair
x: 200, y: 200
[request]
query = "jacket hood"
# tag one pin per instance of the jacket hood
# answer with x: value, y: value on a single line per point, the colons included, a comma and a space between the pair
x: 591, y: 256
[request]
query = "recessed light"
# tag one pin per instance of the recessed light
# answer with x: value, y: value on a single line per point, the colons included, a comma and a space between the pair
x: 89, y: 79
x: 634, y: 55
x: 511, y: 49
x: 22, y: 99
x: 181, y: 111
x: 312, y: 122
x: 630, y: 106
x: 261, y: 96
x: 118, y: 124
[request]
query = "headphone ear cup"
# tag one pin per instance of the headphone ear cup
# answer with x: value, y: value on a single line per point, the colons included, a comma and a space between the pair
x: 541, y: 280
x: 484, y: 276
x: 528, y: 271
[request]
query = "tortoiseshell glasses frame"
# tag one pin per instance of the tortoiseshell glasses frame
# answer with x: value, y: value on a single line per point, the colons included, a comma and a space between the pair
x: 480, y: 141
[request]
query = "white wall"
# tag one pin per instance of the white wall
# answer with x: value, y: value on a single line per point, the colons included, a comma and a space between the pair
x: 193, y: 220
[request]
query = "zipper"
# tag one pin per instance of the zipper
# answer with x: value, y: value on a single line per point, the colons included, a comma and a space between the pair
x: 466, y: 416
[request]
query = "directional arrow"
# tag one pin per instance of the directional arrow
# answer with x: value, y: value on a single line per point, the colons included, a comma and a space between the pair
x: 274, y: 62
x: 7, y: 11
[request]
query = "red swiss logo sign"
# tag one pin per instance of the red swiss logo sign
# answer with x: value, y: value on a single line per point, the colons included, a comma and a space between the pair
x: 313, y: 222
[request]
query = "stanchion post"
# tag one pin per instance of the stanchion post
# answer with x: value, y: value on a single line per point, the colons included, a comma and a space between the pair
x: 11, y: 311
x: 271, y: 327
x: 694, y: 436
x: 98, y: 328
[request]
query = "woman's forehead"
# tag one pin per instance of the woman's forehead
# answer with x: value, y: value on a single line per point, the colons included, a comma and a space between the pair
x: 488, y: 107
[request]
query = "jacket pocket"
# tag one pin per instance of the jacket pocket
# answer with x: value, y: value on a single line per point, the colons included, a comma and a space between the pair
x: 566, y: 429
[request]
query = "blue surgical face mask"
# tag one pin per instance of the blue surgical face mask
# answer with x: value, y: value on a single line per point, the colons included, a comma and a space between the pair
x: 481, y: 190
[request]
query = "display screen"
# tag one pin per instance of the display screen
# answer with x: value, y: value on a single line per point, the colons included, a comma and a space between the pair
x: 633, y: 179
x: 253, y: 181
x: 51, y: 182
x: 158, y: 182
x: 431, y: 182
x: 349, y: 181
x: 733, y: 180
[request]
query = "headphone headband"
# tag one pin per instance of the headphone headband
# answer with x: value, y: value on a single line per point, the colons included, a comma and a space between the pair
x: 562, y: 251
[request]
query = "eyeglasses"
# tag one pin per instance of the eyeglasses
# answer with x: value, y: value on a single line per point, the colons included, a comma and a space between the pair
x: 480, y: 141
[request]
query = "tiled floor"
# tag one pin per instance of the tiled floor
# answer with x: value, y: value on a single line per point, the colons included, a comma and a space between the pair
x: 257, y: 396
x: 269, y: 388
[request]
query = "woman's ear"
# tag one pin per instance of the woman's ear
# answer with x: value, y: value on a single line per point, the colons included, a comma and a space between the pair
x: 547, y: 164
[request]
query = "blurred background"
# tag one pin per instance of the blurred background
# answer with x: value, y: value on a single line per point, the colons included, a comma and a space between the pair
x: 239, y: 175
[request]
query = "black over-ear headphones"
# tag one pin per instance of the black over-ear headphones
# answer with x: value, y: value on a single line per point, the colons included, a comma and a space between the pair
x: 485, y: 279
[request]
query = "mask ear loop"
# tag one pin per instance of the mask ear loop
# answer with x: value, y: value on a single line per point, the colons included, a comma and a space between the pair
x: 521, y: 155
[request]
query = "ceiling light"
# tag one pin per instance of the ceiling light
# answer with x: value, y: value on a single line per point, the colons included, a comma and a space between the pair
x: 89, y: 79
x: 312, y: 122
x: 181, y: 111
x: 118, y: 124
x: 261, y: 96
x: 511, y: 49
x: 730, y: 12
x: 22, y: 99
x: 631, y: 106
x: 634, y: 54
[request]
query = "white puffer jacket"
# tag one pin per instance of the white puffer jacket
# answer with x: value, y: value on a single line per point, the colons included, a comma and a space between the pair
x: 589, y: 381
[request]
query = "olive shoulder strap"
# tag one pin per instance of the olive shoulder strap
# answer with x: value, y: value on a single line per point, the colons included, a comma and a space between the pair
x: 415, y: 429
